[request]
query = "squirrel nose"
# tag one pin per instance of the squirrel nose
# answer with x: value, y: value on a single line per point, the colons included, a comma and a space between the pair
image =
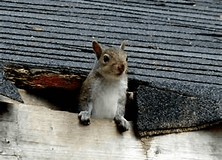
x: 121, y: 68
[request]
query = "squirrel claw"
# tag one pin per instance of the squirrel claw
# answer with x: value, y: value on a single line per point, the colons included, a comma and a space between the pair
x: 122, y: 124
x: 84, y: 117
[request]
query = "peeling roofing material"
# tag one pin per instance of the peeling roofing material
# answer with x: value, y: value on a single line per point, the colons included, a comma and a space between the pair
x: 7, y: 88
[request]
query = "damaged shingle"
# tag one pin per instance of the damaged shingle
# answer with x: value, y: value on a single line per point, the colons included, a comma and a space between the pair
x: 7, y: 88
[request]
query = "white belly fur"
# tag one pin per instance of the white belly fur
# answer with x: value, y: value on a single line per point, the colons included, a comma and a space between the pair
x: 106, y: 96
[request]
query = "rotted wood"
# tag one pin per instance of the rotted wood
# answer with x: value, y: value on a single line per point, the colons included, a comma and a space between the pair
x: 39, y: 78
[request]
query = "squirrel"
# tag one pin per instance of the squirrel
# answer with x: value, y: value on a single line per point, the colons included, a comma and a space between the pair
x: 103, y: 93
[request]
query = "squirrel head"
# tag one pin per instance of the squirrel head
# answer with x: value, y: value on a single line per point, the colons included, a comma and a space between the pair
x: 112, y: 62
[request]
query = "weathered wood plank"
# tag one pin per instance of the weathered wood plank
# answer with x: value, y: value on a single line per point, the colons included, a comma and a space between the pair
x: 33, y: 131
x: 199, y: 145
x: 36, y: 132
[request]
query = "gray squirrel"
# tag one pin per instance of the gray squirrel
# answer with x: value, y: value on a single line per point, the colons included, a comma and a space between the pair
x: 103, y: 93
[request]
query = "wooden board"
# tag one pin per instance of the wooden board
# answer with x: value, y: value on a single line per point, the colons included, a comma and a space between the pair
x: 33, y: 131
x: 199, y: 145
x: 37, y: 132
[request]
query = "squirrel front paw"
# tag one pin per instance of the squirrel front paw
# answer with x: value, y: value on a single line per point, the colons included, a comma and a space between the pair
x: 84, y: 117
x: 122, y: 124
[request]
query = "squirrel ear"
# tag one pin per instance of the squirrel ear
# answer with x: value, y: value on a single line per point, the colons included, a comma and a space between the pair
x: 123, y: 44
x: 97, y: 48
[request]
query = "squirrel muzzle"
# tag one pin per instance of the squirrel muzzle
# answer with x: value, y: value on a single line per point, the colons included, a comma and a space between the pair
x: 121, y: 68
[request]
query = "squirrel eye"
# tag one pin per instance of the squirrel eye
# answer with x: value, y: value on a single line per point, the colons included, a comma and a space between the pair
x: 126, y: 58
x: 106, y: 58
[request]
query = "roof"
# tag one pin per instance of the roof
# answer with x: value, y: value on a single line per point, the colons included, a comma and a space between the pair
x: 174, y: 45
